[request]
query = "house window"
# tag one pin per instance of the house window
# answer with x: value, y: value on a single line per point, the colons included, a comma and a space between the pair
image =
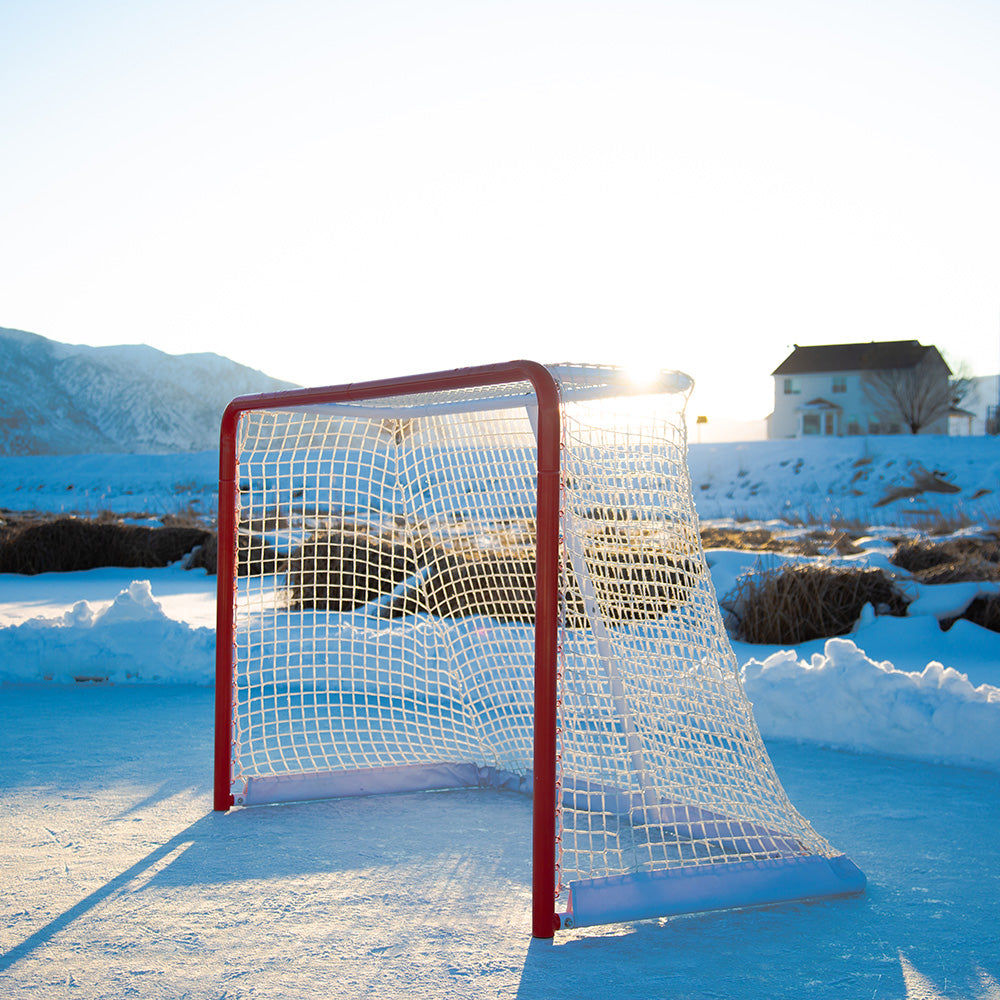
x: 792, y: 387
x: 853, y: 426
x: 810, y: 423
x: 840, y: 383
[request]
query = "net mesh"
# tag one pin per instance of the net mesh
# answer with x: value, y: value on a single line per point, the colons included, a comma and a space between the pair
x: 385, y: 609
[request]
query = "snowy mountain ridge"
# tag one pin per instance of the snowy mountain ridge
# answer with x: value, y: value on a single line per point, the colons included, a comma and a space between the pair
x: 64, y: 399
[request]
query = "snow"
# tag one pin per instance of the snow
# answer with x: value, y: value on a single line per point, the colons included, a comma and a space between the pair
x: 121, y: 484
x: 847, y: 699
x: 849, y: 478
x: 131, y: 639
x: 121, y: 881
x: 946, y: 600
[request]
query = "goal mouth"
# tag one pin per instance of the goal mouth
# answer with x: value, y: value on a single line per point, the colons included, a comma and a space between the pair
x: 494, y: 577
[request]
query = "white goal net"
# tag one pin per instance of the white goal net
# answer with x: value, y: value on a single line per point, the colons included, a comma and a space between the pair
x: 383, y: 635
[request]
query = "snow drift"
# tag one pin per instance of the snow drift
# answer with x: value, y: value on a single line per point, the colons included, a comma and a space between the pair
x: 131, y: 641
x: 838, y: 697
x: 842, y: 698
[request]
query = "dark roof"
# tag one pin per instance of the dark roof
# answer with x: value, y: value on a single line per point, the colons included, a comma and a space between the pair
x: 855, y: 357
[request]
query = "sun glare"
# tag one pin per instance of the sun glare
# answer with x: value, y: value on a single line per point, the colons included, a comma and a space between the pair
x: 641, y: 373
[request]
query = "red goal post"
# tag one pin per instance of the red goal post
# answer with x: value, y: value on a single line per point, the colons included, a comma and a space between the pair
x: 544, y: 921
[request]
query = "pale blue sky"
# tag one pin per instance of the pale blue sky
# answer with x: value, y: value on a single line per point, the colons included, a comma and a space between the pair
x: 333, y: 191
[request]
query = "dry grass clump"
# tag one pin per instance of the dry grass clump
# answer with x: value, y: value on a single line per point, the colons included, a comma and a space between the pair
x: 985, y: 611
x: 835, y: 540
x: 814, y: 543
x: 255, y: 557
x: 961, y: 571
x: 490, y: 573
x: 757, y: 539
x: 954, y: 560
x: 347, y: 566
x: 344, y: 568
x: 924, y: 481
x: 503, y: 588
x: 486, y: 571
x: 496, y: 586
x: 794, y: 603
x: 68, y: 544
x: 640, y: 585
x: 205, y: 556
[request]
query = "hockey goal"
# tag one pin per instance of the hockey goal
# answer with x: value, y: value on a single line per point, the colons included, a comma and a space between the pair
x: 494, y: 576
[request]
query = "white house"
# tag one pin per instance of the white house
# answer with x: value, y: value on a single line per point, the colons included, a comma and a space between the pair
x: 979, y: 409
x: 886, y: 387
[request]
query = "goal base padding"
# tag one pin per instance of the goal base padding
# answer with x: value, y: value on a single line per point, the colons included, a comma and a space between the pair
x: 646, y: 895
x: 274, y: 788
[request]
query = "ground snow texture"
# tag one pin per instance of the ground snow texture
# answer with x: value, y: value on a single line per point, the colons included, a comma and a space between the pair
x: 127, y: 884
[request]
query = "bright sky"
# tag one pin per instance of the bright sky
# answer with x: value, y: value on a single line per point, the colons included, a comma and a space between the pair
x: 335, y: 190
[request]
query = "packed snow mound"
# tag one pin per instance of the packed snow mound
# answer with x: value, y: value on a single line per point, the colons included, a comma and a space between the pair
x: 842, y: 698
x: 132, y: 640
x: 134, y: 604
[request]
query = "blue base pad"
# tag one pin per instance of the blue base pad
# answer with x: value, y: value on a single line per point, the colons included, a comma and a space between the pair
x: 643, y: 895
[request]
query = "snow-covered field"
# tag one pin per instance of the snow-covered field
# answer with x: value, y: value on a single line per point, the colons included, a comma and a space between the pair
x: 119, y: 880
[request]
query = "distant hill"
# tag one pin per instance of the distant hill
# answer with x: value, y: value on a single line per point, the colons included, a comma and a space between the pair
x: 63, y: 399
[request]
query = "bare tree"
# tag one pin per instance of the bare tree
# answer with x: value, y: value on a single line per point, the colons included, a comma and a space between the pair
x: 916, y: 397
x: 961, y: 382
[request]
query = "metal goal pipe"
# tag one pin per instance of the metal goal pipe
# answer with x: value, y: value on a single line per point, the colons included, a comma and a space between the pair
x: 544, y: 919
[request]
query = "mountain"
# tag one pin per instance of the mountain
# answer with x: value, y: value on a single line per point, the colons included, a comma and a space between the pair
x: 63, y: 399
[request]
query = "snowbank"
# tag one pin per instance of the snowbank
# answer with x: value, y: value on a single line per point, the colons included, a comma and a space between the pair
x: 839, y: 697
x: 875, y: 480
x: 844, y: 699
x: 131, y: 640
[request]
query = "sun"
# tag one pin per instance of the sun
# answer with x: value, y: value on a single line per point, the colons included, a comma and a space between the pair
x: 641, y: 371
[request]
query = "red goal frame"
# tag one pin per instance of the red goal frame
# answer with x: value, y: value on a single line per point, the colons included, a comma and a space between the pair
x: 545, y: 921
